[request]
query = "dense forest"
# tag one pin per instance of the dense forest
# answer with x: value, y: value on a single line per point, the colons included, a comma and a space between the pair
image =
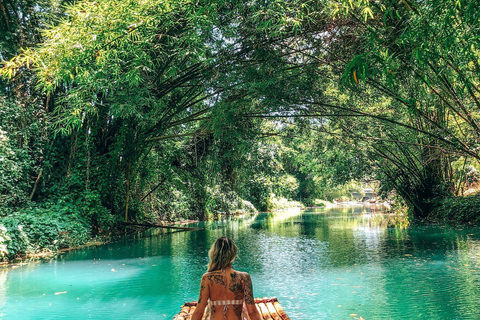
x: 161, y: 110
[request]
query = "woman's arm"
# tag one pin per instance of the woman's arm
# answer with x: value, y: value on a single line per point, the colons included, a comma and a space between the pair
x: 202, y: 299
x: 249, y: 300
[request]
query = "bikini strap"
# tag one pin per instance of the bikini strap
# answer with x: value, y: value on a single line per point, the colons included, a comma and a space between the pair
x: 225, y: 302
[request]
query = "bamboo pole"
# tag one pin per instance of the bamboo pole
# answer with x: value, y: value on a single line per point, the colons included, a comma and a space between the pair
x: 35, y: 185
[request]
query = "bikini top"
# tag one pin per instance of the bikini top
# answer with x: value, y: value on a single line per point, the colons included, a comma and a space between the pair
x: 225, y: 302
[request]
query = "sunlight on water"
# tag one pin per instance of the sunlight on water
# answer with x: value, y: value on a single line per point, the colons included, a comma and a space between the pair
x: 337, y: 264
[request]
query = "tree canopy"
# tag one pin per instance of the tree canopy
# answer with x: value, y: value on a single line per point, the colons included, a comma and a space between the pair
x: 164, y: 109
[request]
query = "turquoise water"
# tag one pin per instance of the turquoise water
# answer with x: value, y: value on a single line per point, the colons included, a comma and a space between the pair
x: 335, y: 264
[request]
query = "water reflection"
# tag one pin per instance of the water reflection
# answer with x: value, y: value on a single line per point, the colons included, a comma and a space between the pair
x: 320, y: 263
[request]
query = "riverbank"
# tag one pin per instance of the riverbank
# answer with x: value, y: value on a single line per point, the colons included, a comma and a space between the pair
x: 44, y: 230
x: 35, y: 253
x: 47, y: 254
x: 39, y: 235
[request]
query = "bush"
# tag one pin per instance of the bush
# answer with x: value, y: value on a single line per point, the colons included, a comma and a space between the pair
x: 41, y: 229
x: 12, y: 173
x: 402, y: 214
x: 278, y: 203
x: 457, y: 209
x: 4, y: 239
x: 89, y: 210
x: 226, y: 202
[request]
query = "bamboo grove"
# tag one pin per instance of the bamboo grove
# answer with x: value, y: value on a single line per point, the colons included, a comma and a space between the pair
x: 169, y: 109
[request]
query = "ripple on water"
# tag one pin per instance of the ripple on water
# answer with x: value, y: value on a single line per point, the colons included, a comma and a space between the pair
x: 321, y: 265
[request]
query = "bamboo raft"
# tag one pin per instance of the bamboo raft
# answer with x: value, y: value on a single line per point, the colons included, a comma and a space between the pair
x: 268, y: 308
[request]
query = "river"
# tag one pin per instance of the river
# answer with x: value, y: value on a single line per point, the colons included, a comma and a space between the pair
x: 321, y: 264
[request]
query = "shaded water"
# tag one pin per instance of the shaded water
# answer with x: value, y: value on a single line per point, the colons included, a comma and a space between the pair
x: 335, y: 264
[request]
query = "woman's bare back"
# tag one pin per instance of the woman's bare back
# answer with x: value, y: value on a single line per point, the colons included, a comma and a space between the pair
x: 227, y: 285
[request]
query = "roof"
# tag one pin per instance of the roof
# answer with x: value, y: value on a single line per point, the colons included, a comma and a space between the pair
x: 269, y: 308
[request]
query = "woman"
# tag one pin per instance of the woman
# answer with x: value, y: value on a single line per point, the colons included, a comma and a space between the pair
x: 225, y: 290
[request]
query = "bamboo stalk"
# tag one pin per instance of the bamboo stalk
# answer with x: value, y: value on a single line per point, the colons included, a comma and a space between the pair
x: 273, y: 311
x: 264, y: 311
x: 280, y: 311
x: 35, y: 185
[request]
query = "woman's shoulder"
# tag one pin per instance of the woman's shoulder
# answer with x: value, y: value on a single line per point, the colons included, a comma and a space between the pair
x: 213, y: 272
x: 242, y: 274
x: 236, y: 272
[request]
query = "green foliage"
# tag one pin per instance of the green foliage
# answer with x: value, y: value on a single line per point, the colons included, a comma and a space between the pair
x: 11, y: 174
x: 169, y: 109
x: 279, y: 203
x: 4, y: 239
x: 121, y: 79
x: 407, y: 97
x: 457, y: 209
x: 38, y: 229
x: 344, y: 191
x: 402, y: 214
x: 20, y: 21
x: 16, y: 242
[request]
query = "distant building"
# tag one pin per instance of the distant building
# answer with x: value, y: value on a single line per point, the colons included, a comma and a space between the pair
x: 369, y: 194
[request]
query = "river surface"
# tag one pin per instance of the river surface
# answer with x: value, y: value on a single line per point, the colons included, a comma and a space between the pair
x: 321, y: 264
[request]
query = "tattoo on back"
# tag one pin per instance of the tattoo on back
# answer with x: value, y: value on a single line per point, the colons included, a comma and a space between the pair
x: 217, y: 279
x: 237, y: 285
x: 240, y: 285
x: 248, y: 290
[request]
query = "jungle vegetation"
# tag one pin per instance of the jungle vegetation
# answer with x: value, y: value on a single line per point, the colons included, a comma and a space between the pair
x: 163, y: 110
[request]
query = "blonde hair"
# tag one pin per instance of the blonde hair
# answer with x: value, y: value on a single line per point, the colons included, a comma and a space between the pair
x: 222, y: 253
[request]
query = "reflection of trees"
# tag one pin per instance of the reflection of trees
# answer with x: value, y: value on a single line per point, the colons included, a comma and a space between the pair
x: 439, y: 280
x: 465, y: 278
x: 352, y: 234
x: 429, y: 270
x: 271, y: 220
